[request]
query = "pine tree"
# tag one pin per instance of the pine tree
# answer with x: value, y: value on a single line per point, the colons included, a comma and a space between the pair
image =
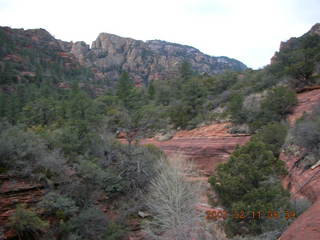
x: 185, y: 70
x: 124, y: 88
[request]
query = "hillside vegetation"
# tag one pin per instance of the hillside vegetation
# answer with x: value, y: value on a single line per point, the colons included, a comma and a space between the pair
x: 59, y: 126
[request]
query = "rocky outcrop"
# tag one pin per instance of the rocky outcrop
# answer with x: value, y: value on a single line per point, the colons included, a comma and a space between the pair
x: 79, y: 50
x: 14, y: 191
x: 146, y: 61
x: 306, y: 184
x: 111, y: 54
x: 207, y: 146
x: 293, y: 43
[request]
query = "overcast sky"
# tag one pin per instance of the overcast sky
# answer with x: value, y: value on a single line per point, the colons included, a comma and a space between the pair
x: 247, y: 30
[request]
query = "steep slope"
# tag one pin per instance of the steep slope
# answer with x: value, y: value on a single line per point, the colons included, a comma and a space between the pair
x: 35, y: 56
x: 306, y: 226
x: 299, y: 58
x: 301, y: 182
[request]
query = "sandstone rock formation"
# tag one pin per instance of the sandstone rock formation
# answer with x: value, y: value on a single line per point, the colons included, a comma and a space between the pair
x: 111, y: 54
x: 207, y: 146
x: 146, y: 61
x: 306, y: 226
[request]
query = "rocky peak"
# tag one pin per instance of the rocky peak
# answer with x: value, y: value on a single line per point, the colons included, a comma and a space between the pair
x: 315, y: 29
x: 145, y: 61
x: 42, y: 37
x: 79, y: 50
x: 40, y: 34
x: 108, y: 41
x: 170, y: 48
x: 293, y: 43
x: 110, y: 54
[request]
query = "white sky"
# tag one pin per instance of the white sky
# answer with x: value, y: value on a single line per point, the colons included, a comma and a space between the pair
x: 247, y: 30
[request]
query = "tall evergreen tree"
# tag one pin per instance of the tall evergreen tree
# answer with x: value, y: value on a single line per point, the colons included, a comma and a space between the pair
x: 186, y: 70
x: 124, y: 88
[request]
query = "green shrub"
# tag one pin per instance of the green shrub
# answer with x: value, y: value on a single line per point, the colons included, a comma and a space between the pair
x: 60, y: 206
x: 273, y: 135
x: 237, y: 112
x: 25, y: 154
x: 279, y: 101
x: 300, y: 205
x: 91, y: 223
x: 274, y: 107
x: 114, y: 231
x: 298, y: 60
x: 307, y: 133
x: 179, y: 114
x: 249, y: 181
x: 27, y: 223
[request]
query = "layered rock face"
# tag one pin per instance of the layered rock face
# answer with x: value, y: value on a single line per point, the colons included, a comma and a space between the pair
x: 303, y: 182
x: 15, y: 191
x: 146, y: 61
x: 207, y: 146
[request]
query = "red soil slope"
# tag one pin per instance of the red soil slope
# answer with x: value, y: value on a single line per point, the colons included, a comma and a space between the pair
x: 306, y: 101
x: 303, y: 183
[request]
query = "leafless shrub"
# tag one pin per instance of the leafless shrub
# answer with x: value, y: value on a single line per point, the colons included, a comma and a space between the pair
x: 172, y: 200
x: 25, y: 154
x: 253, y: 102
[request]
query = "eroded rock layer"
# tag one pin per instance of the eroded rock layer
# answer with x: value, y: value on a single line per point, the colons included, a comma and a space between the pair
x: 15, y: 191
x: 206, y: 146
x: 303, y: 182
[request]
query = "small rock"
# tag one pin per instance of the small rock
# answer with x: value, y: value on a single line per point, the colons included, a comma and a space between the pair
x: 143, y: 214
x: 164, y: 137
